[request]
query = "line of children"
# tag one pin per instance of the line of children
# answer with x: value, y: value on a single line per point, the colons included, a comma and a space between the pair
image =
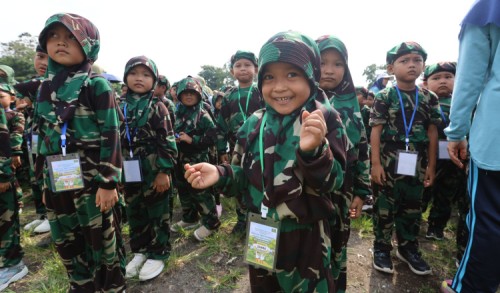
x: 404, y: 121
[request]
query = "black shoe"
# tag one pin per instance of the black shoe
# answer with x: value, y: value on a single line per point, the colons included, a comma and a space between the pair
x: 382, y: 261
x: 413, y: 258
x: 434, y: 233
x: 438, y: 234
x: 239, y: 228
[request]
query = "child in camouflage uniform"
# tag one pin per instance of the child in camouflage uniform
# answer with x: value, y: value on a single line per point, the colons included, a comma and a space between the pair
x: 287, y: 160
x: 237, y: 105
x: 147, y: 136
x: 195, y: 133
x: 12, y: 267
x: 85, y: 225
x: 337, y: 83
x: 404, y: 123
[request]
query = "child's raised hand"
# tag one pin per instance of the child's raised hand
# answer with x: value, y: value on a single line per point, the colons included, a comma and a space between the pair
x: 202, y: 175
x: 16, y: 162
x: 313, y: 130
x: 184, y: 137
x: 161, y: 183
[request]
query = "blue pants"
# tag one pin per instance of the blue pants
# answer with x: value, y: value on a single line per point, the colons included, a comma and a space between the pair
x: 479, y: 271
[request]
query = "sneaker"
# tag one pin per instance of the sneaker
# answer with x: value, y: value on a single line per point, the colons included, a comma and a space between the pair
x: 33, y: 224
x: 151, y: 269
x: 446, y: 287
x: 382, y: 261
x: 12, y: 274
x: 434, y: 233
x: 202, y: 233
x: 182, y: 225
x: 133, y: 266
x: 218, y: 208
x: 414, y: 260
x: 368, y: 204
x: 239, y: 228
x: 439, y: 234
x: 44, y: 242
x: 44, y: 227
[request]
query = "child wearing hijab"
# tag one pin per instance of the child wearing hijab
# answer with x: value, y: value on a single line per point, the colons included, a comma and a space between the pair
x: 12, y: 267
x: 150, y: 151
x: 337, y: 82
x: 195, y: 134
x: 288, y: 158
x: 80, y: 143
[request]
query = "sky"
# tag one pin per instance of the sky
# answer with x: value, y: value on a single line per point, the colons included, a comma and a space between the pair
x: 182, y: 36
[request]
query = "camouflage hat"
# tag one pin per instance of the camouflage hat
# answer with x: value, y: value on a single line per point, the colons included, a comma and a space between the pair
x: 84, y: 31
x: 240, y: 54
x: 5, y: 87
x: 142, y: 60
x: 403, y: 49
x: 294, y: 48
x: 189, y: 83
x: 362, y: 90
x: 9, y: 72
x: 450, y: 67
x: 332, y: 42
x: 40, y: 49
x: 163, y: 80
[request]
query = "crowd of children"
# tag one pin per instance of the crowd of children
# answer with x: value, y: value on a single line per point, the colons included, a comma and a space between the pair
x: 302, y: 150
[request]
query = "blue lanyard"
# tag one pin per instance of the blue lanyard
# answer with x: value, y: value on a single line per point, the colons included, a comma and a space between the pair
x: 127, y: 131
x: 63, y: 138
x: 442, y: 115
x: 408, y: 127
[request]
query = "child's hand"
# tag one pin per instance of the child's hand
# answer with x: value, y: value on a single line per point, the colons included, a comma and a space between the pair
x: 312, y: 131
x: 106, y: 199
x: 224, y: 159
x: 378, y: 174
x: 430, y: 175
x: 4, y: 186
x: 184, y: 137
x: 16, y: 162
x: 202, y: 175
x: 355, y: 208
x: 161, y: 183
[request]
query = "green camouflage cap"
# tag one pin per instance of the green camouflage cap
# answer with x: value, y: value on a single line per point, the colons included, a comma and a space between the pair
x: 10, y: 75
x: 142, y: 60
x: 240, y: 54
x: 362, y: 90
x: 163, y: 80
x: 189, y: 83
x: 450, y: 67
x: 403, y: 49
x: 294, y: 48
x: 84, y: 31
x: 332, y: 42
x: 5, y: 87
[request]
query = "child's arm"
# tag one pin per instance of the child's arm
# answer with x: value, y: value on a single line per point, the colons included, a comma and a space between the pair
x: 222, y: 130
x: 361, y: 186
x: 430, y: 172
x: 207, y: 133
x: 5, y: 153
x: 16, y: 138
x: 378, y: 174
x: 166, y: 147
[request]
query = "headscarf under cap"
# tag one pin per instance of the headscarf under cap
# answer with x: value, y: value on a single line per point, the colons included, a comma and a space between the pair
x: 440, y: 67
x: 187, y: 117
x: 403, y: 49
x: 294, y: 48
x: 241, y: 54
x: 141, y: 60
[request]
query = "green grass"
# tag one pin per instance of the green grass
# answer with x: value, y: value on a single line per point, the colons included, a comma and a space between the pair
x: 363, y: 225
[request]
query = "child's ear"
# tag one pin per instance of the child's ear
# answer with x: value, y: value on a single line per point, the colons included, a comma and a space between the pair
x: 390, y: 68
x: 231, y: 71
x: 425, y: 83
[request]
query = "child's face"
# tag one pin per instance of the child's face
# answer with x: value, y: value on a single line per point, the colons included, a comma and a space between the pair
x: 407, y: 68
x: 441, y: 83
x: 140, y: 79
x: 3, y: 74
x: 332, y: 69
x: 6, y: 99
x: 173, y: 93
x: 40, y: 63
x: 284, y: 87
x: 244, y: 71
x: 63, y: 47
x: 190, y: 97
x: 160, y: 90
x: 369, y: 101
x: 218, y: 104
x: 361, y: 99
x: 124, y: 89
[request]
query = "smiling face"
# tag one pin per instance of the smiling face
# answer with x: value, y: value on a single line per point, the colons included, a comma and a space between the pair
x: 140, y: 79
x: 63, y: 47
x: 284, y: 87
x: 332, y: 69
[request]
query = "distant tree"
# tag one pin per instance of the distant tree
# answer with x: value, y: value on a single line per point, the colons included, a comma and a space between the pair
x: 19, y: 54
x: 370, y: 73
x: 216, y: 76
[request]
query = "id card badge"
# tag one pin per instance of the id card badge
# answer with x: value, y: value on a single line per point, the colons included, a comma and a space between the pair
x: 406, y: 163
x: 132, y: 170
x: 34, y: 144
x: 65, y: 172
x: 443, y: 150
x: 261, y: 247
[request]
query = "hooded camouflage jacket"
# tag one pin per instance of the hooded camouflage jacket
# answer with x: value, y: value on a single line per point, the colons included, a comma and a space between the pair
x: 5, y: 152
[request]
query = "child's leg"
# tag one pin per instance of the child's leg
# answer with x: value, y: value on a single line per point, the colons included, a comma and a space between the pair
x: 340, y: 236
x: 205, y: 206
x: 383, y: 215
x: 262, y: 281
x: 11, y: 252
x: 188, y: 203
x: 408, y: 191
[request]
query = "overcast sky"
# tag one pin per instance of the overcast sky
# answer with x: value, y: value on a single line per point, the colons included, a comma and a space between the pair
x: 181, y: 36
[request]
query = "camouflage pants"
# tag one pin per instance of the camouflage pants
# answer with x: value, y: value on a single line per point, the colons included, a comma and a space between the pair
x: 11, y: 252
x: 340, y: 230
x: 36, y: 190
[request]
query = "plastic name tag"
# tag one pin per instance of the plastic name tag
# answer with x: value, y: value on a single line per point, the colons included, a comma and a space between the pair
x: 406, y: 163
x: 261, y: 247
x: 443, y: 150
x: 65, y: 172
x: 34, y: 144
x: 132, y: 170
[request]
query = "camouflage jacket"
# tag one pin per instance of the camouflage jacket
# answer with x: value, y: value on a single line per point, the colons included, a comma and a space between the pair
x: 15, y: 121
x: 196, y: 122
x: 5, y: 152
x: 445, y: 104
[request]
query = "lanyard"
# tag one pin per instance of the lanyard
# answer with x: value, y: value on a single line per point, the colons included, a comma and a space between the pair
x: 442, y: 115
x: 63, y: 138
x: 249, y: 94
x: 263, y: 208
x: 408, y: 127
x: 127, y: 131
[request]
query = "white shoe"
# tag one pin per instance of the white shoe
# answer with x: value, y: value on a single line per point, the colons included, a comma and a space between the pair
x: 44, y: 227
x: 202, y: 233
x: 33, y: 224
x: 151, y: 269
x: 133, y: 266
x: 183, y: 225
x: 218, y: 208
x: 12, y: 274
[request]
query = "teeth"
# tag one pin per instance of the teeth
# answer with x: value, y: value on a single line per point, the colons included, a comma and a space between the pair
x: 283, y: 99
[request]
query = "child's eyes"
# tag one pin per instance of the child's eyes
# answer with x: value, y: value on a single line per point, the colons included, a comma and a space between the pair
x: 72, y: 37
x: 267, y: 77
x: 292, y: 74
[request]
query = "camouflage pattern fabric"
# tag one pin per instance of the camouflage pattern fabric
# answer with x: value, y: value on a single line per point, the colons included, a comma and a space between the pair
x: 9, y: 75
x: 403, y: 49
x: 295, y: 195
x: 15, y: 121
x: 153, y: 143
x: 88, y: 241
x: 399, y: 201
x: 197, y: 122
x: 450, y: 67
x: 242, y: 54
x: 365, y: 115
